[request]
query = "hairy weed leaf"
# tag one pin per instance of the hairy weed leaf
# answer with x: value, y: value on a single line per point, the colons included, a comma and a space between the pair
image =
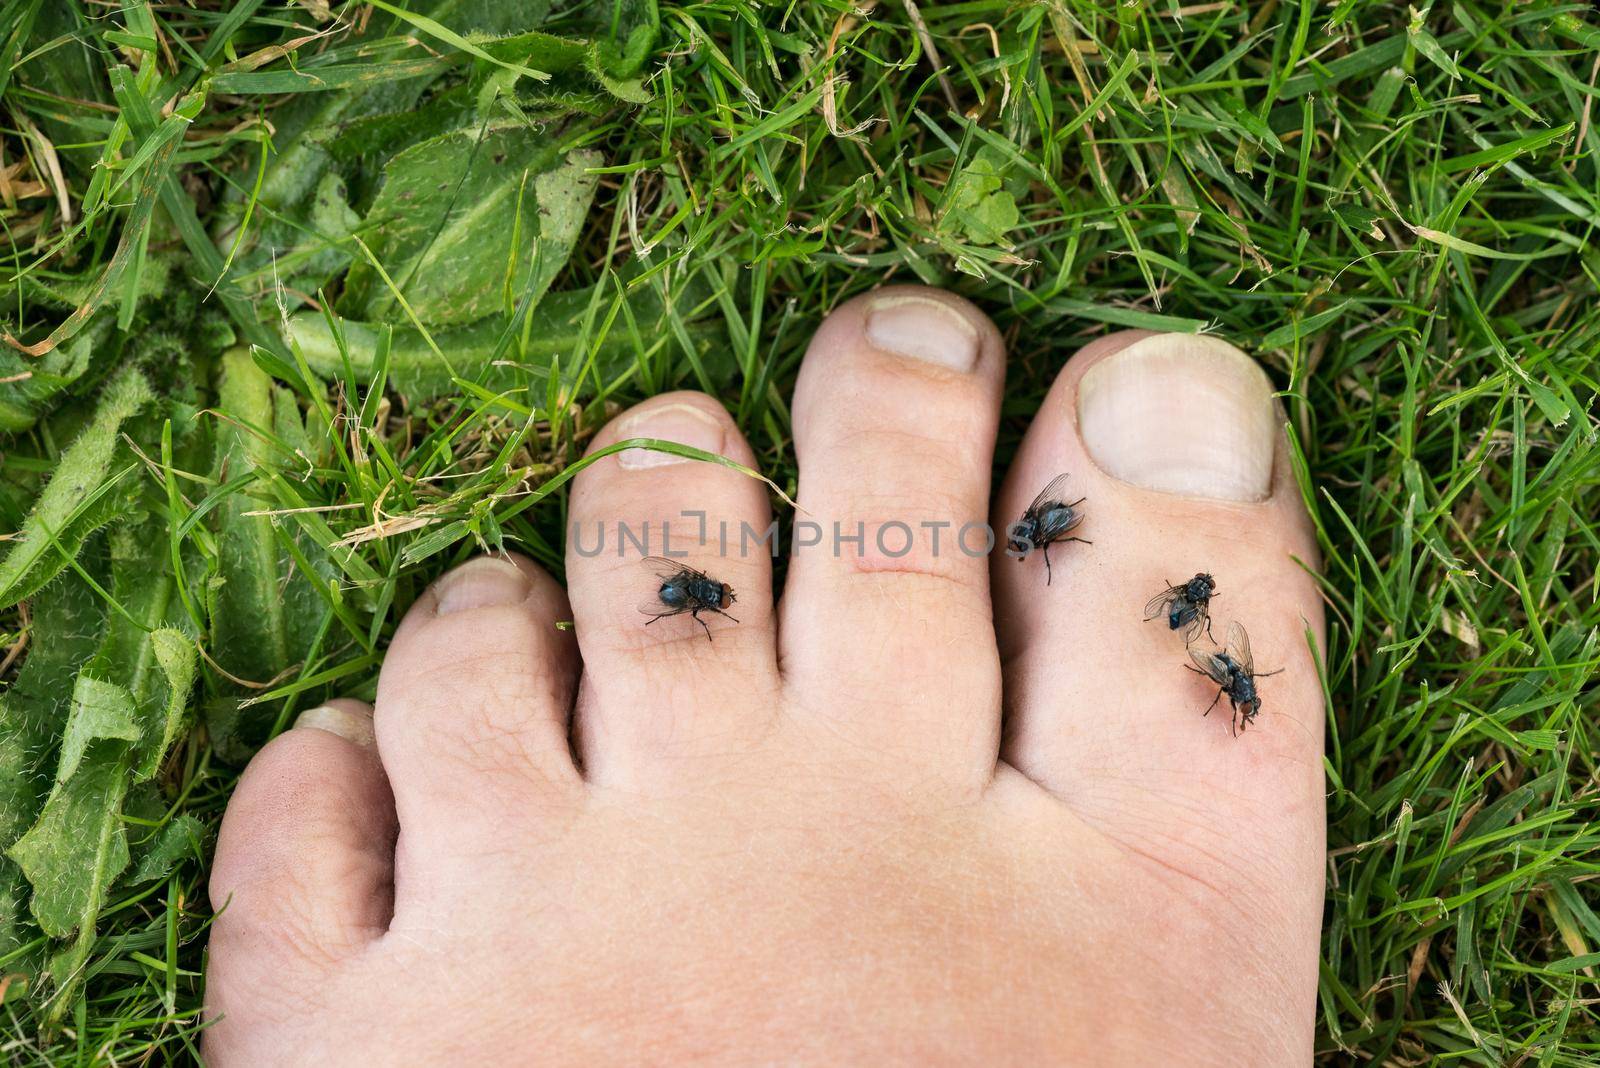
x: 264, y: 613
x: 464, y: 218
x: 80, y: 497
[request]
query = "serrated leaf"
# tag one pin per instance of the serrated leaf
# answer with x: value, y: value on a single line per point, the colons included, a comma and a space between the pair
x: 78, y: 499
x: 78, y: 846
x: 631, y: 30
x: 564, y: 325
x: 67, y: 622
x: 263, y: 613
x: 100, y: 711
x: 171, y: 844
x: 29, y: 385
x: 164, y: 715
x: 128, y: 702
x: 461, y: 218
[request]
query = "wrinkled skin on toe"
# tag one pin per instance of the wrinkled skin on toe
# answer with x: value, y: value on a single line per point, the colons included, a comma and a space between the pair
x: 923, y: 809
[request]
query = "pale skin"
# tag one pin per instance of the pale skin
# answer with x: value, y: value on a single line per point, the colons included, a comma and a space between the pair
x: 922, y: 810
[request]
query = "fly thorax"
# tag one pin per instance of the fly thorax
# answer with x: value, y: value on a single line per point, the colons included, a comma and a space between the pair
x: 706, y: 592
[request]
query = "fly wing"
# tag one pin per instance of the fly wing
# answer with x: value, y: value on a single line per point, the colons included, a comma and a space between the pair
x: 1212, y: 665
x: 657, y: 610
x: 669, y: 569
x: 1191, y: 628
x: 1157, y: 605
x: 1239, y: 648
x: 1055, y: 492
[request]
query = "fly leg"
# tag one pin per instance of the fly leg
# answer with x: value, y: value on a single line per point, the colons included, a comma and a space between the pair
x: 697, y: 619
x: 1047, y: 575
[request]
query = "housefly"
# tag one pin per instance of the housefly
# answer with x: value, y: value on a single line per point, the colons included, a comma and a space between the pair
x: 684, y: 589
x: 1234, y: 671
x: 1186, y: 606
x: 1049, y: 519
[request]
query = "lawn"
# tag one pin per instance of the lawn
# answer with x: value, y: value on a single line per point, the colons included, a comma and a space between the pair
x: 302, y: 303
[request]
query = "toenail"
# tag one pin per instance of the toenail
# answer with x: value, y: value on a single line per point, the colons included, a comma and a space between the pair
x: 486, y: 582
x: 1181, y: 413
x: 924, y: 328
x: 684, y: 424
x: 349, y: 724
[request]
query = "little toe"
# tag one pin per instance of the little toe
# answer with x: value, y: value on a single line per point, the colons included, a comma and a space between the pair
x: 304, y: 870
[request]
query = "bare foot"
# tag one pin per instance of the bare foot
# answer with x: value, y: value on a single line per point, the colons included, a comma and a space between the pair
x: 926, y: 809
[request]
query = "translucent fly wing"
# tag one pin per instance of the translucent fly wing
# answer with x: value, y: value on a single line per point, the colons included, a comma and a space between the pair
x: 1056, y: 521
x: 1161, y: 602
x: 1238, y: 648
x: 667, y: 569
x: 1191, y: 628
x: 1055, y: 492
x: 1211, y: 664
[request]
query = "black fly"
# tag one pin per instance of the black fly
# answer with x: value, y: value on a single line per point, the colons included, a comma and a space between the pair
x: 1234, y: 671
x: 1185, y: 606
x: 684, y: 589
x: 1050, y: 518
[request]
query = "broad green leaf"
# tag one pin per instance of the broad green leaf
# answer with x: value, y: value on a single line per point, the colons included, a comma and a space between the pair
x: 564, y: 325
x: 629, y: 36
x: 78, y: 846
x: 331, y: 78
x: 79, y: 497
x: 29, y: 385
x: 163, y: 716
x: 980, y: 204
x: 250, y: 623
x: 171, y: 843
x: 308, y: 247
x: 263, y: 612
x: 463, y: 219
x: 128, y: 701
x: 66, y: 627
x: 100, y: 710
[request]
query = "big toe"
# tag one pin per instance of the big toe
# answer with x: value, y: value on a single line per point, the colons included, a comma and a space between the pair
x: 1176, y: 444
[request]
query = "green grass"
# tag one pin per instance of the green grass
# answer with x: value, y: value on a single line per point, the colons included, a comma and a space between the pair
x: 1397, y: 213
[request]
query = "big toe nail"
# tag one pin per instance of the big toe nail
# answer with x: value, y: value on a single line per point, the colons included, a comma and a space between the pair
x: 1181, y: 413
